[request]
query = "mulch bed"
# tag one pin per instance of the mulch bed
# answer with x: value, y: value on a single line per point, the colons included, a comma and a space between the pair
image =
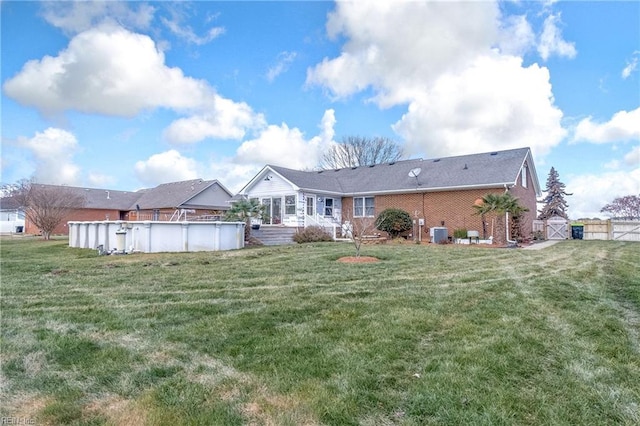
x: 360, y: 259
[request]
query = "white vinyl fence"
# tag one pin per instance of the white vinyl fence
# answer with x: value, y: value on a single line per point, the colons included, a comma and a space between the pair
x: 155, y: 237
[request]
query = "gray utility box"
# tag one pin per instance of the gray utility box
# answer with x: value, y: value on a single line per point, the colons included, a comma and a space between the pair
x: 438, y: 234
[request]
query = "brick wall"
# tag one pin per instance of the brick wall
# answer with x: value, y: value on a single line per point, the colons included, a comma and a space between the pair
x: 451, y: 209
x: 79, y: 216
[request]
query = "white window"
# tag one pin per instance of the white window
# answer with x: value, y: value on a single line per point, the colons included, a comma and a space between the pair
x: 363, y: 206
x: 310, y: 206
x: 290, y: 204
x: 523, y: 176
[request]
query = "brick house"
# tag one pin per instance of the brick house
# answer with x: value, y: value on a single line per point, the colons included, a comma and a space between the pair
x: 438, y: 192
x: 195, y: 199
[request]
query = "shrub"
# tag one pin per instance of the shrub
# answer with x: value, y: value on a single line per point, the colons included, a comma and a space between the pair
x: 394, y: 221
x: 460, y: 233
x: 312, y: 234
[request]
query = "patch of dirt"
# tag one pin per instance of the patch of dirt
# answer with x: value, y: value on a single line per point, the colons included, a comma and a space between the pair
x: 118, y: 411
x: 360, y: 259
x: 27, y: 408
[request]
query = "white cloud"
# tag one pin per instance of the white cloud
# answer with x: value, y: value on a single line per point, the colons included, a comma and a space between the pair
x: 632, y: 65
x: 109, y: 70
x: 287, y: 147
x: 633, y: 158
x: 464, y: 89
x: 169, y: 166
x: 232, y: 175
x: 106, y: 70
x: 187, y: 33
x: 516, y: 35
x: 418, y: 42
x: 279, y: 145
x: 223, y: 119
x: 77, y: 16
x: 551, y: 41
x: 592, y: 192
x: 99, y: 180
x: 53, y: 151
x: 284, y: 61
x: 179, y: 13
x: 493, y: 104
x: 623, y: 126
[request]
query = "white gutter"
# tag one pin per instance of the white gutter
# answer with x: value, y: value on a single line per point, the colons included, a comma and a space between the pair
x: 506, y: 219
x: 424, y: 189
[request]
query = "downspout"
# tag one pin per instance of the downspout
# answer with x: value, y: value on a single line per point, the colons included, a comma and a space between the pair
x: 506, y: 220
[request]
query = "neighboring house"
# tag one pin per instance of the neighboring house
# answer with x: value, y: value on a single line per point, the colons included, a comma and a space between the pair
x: 187, y: 200
x: 438, y: 192
x: 11, y: 216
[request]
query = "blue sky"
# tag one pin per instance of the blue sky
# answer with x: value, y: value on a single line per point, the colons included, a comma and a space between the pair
x: 127, y: 95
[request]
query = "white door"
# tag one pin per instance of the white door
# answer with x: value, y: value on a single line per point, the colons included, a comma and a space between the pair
x: 311, y: 205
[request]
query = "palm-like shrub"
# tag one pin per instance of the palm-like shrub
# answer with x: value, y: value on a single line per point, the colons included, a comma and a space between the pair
x: 244, y: 211
x: 501, y: 204
x: 394, y: 222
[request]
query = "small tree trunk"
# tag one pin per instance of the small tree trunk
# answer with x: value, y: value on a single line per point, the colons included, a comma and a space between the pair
x: 247, y: 229
x: 500, y: 234
x: 357, y: 242
x: 484, y: 226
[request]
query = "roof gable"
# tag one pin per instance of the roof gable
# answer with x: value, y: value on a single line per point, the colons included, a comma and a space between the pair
x: 174, y: 194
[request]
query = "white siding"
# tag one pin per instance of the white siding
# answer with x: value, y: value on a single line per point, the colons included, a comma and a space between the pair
x: 274, y: 186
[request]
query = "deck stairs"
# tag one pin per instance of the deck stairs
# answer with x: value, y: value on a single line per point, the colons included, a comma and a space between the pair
x: 274, y: 235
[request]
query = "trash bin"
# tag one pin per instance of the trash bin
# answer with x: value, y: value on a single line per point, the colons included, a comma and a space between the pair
x: 577, y: 232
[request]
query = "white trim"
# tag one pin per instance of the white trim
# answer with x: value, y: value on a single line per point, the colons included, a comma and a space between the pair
x: 439, y: 189
x: 364, y: 206
x: 261, y: 174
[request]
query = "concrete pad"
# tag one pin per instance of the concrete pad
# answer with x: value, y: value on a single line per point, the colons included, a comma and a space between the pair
x: 541, y: 245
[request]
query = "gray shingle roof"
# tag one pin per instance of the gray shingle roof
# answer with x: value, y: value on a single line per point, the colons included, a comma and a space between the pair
x: 490, y: 169
x: 172, y: 194
x: 95, y: 198
x: 9, y: 203
x: 168, y: 195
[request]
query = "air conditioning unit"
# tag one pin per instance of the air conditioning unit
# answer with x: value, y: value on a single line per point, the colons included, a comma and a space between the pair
x: 438, y: 234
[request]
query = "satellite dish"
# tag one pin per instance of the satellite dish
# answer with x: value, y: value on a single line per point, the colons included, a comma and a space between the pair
x: 415, y: 172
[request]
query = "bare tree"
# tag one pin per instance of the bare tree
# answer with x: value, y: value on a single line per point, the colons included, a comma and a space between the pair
x: 46, y: 206
x: 627, y: 207
x: 354, y: 151
x: 355, y: 228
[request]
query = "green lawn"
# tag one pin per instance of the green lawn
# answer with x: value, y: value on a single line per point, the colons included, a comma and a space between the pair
x: 431, y: 334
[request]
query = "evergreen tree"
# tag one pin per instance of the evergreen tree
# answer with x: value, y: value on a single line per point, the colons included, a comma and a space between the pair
x: 554, y: 202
